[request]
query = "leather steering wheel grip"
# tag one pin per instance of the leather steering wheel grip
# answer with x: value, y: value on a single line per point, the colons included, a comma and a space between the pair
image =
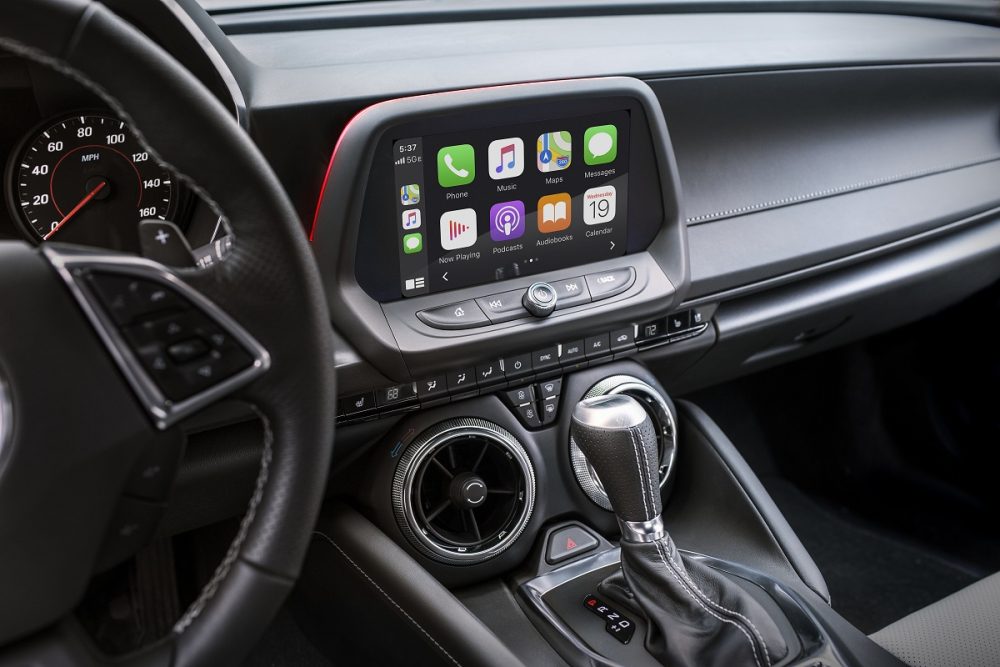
x: 269, y: 284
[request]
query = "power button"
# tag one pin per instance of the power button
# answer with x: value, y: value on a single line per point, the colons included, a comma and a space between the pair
x: 540, y: 299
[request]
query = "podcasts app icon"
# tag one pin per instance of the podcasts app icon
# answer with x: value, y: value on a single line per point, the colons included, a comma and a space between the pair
x: 507, y: 220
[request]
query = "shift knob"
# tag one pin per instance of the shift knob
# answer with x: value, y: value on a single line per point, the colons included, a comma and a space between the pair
x: 617, y: 436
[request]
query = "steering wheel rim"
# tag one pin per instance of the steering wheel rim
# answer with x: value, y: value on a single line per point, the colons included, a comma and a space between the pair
x: 268, y: 283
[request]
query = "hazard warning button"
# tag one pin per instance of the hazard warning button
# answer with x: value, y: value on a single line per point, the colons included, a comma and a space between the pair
x: 568, y: 542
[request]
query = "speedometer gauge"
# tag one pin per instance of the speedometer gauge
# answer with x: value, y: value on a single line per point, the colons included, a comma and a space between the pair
x: 86, y: 179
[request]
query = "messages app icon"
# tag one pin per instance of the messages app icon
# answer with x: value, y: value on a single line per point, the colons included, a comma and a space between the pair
x: 600, y: 144
x: 456, y: 165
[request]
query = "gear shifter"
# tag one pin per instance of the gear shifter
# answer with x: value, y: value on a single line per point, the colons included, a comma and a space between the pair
x: 696, y: 615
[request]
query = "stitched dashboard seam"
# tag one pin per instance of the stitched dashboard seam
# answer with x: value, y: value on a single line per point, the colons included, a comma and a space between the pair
x: 223, y: 569
x: 843, y: 189
x: 387, y: 596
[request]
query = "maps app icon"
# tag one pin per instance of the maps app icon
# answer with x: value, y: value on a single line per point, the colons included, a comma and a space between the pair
x: 555, y: 151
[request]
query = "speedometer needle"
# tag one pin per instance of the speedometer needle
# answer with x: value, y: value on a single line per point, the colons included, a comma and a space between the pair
x: 76, y: 209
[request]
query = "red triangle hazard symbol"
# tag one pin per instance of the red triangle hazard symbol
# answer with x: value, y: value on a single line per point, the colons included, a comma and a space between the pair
x: 570, y: 544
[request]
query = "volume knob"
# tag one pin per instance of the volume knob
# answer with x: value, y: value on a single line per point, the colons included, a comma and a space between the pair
x: 540, y: 299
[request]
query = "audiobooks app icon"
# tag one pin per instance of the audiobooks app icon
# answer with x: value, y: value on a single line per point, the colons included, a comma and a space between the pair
x: 554, y: 212
x: 458, y: 229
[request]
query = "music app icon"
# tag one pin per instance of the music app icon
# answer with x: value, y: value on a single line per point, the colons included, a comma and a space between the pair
x: 506, y: 158
x: 411, y: 218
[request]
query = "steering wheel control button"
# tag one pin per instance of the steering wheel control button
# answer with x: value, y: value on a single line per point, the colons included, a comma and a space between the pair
x: 163, y: 241
x: 571, y: 292
x: 503, y: 307
x: 128, y: 299
x: 598, y: 346
x: 615, y: 624
x: 153, y: 474
x: 567, y: 543
x: 131, y: 528
x: 463, y: 315
x: 188, y: 350
x: 609, y: 283
x: 545, y: 359
x: 540, y: 299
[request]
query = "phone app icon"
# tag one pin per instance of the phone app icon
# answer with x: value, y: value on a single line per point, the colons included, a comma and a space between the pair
x: 554, y: 212
x: 456, y: 165
x: 555, y: 151
x: 507, y: 220
x: 599, y: 205
x: 505, y: 158
x: 409, y: 194
x: 411, y: 218
x: 600, y: 144
x: 413, y: 243
x: 458, y: 229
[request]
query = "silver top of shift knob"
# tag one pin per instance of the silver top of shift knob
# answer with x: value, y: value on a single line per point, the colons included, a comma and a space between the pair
x: 612, y: 412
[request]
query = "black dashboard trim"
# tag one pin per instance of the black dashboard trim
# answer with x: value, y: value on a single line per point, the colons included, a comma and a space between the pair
x: 237, y: 18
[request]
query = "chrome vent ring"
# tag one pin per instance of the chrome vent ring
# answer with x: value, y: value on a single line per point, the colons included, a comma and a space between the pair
x: 664, y: 423
x: 463, y: 491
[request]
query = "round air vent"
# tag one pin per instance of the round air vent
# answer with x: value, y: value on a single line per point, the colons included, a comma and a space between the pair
x: 663, y: 423
x: 463, y: 491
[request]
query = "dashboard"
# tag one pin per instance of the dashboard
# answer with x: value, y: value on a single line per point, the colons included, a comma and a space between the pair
x: 702, y: 199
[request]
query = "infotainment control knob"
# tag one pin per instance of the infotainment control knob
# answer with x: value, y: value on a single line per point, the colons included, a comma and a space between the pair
x: 540, y: 299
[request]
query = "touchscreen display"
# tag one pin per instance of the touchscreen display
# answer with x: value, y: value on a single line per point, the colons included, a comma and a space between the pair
x: 480, y: 206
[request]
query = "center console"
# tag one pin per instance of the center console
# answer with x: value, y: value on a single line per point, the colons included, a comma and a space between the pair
x: 505, y: 254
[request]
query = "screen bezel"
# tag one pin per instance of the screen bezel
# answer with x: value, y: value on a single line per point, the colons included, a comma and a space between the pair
x: 376, y: 258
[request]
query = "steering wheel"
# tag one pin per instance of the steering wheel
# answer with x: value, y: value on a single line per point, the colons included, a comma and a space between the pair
x: 77, y: 412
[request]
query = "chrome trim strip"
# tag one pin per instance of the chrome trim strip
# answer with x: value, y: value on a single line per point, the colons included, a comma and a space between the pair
x: 71, y: 266
x: 6, y: 420
x: 642, y: 532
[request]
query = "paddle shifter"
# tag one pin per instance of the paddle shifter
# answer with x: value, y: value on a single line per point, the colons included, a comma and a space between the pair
x: 696, y: 615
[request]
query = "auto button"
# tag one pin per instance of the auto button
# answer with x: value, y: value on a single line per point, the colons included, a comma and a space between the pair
x: 463, y: 315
